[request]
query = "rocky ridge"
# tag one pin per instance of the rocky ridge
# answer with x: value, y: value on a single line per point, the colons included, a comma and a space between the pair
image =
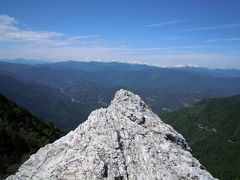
x: 124, y: 141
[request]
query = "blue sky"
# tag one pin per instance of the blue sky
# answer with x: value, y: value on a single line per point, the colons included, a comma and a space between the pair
x: 157, y: 32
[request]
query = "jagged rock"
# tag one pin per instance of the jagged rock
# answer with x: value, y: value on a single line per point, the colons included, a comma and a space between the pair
x: 124, y: 141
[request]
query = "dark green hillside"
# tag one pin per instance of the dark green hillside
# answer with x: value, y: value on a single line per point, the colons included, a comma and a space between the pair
x: 212, y: 129
x: 21, y: 134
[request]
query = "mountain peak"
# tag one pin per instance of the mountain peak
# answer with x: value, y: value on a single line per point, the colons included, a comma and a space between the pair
x: 123, y: 95
x: 127, y: 104
x: 127, y: 98
x: 124, y: 141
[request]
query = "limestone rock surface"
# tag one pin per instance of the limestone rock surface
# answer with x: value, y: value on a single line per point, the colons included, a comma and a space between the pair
x: 124, y: 141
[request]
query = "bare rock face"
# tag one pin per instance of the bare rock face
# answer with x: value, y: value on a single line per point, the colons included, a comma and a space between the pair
x: 124, y: 141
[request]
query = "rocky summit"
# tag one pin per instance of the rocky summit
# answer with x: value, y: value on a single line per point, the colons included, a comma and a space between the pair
x: 124, y: 141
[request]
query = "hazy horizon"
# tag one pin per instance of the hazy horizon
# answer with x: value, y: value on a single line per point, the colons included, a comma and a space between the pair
x: 44, y: 61
x: 159, y: 33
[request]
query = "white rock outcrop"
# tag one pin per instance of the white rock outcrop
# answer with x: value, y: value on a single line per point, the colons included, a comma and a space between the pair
x: 124, y: 141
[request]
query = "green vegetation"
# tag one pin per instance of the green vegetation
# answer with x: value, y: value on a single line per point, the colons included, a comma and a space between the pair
x: 21, y: 134
x: 212, y: 129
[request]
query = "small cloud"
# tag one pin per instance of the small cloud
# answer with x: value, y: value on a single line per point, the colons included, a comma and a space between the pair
x: 224, y: 26
x: 184, y: 65
x: 166, y: 23
x: 169, y: 48
x: 85, y: 37
x: 177, y: 37
x: 189, y: 47
x: 222, y: 40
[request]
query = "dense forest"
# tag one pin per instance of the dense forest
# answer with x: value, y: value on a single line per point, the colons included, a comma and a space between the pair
x: 212, y: 129
x: 21, y: 134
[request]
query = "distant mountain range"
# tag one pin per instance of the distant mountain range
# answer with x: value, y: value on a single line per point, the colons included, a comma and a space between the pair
x: 66, y: 92
x: 21, y: 134
x: 212, y: 129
